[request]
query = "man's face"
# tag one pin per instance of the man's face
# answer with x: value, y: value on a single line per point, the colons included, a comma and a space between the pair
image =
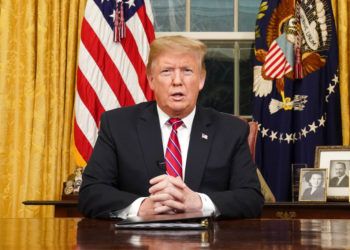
x: 176, y: 80
x: 315, y: 180
x: 339, y: 170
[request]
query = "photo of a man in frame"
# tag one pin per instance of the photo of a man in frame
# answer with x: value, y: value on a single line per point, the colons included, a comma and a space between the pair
x: 339, y: 173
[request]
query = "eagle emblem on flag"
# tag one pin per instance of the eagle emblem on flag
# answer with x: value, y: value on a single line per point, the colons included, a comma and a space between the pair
x: 298, y: 36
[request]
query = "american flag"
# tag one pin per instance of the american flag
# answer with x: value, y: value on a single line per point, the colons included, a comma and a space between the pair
x: 279, y: 58
x: 112, y: 64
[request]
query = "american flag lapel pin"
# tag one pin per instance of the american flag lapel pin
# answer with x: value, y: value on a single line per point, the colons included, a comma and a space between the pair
x: 204, y: 136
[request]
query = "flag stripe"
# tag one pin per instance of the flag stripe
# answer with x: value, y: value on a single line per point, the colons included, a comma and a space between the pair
x: 82, y: 144
x: 85, y: 121
x: 95, y: 78
x: 277, y: 67
x: 89, y: 97
x: 285, y: 68
x: 146, y: 23
x: 135, y: 25
x: 149, y: 17
x: 275, y: 55
x: 131, y: 48
x: 273, y: 61
x: 271, y: 50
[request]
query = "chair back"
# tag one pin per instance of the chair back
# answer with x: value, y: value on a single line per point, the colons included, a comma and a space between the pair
x: 265, y: 189
x: 253, y: 132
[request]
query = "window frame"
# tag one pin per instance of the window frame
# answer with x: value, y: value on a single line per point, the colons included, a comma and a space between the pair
x: 235, y: 37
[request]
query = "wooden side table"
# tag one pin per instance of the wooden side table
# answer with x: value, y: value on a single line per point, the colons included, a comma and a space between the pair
x: 63, y: 208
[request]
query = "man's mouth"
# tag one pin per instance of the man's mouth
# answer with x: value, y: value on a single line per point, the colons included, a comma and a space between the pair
x: 177, y: 96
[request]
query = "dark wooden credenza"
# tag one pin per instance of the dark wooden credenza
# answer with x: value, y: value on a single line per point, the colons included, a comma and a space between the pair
x: 297, y: 210
x: 278, y: 210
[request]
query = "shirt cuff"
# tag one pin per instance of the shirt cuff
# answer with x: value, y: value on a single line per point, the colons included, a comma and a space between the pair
x: 131, y: 210
x: 208, y: 205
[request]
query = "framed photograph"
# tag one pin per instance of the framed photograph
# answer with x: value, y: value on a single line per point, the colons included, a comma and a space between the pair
x: 337, y: 160
x: 295, y: 179
x: 312, y: 186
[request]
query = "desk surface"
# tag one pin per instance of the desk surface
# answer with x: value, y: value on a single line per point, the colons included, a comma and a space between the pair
x: 77, y: 233
x: 281, y: 210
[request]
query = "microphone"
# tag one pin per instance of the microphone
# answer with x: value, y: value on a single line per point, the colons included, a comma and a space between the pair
x: 161, y: 165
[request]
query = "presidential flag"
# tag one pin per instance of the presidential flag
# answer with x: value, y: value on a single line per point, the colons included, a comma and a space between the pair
x: 296, y: 87
x: 115, y: 38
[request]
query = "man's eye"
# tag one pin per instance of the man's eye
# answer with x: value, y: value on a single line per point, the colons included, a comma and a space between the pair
x: 188, y: 71
x: 165, y: 72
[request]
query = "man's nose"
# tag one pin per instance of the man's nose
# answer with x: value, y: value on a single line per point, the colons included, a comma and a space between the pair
x: 177, y: 77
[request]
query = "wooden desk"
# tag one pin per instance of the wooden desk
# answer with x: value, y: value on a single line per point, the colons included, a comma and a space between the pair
x: 77, y: 233
x: 279, y: 210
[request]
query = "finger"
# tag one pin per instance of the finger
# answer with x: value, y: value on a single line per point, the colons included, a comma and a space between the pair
x: 161, y: 197
x: 163, y: 209
x: 158, y: 187
x: 165, y: 182
x: 174, y: 205
x: 169, y: 193
x: 157, y: 204
x: 175, y: 193
x: 157, y: 179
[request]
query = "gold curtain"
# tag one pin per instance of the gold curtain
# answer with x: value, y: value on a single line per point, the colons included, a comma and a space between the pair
x: 38, y: 57
x: 343, y: 21
x: 341, y: 10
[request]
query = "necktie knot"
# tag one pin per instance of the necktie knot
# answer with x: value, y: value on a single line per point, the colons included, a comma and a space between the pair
x: 175, y: 123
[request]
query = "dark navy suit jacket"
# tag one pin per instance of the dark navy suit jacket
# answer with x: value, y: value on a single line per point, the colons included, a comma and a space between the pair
x: 129, y: 148
x: 344, y: 182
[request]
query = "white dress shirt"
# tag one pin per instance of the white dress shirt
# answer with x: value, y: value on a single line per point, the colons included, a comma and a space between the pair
x: 183, y: 132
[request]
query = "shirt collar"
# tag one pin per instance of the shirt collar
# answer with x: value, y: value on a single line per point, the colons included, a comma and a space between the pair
x: 187, y: 121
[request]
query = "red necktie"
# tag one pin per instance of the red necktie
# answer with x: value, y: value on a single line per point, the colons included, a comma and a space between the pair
x: 173, y: 159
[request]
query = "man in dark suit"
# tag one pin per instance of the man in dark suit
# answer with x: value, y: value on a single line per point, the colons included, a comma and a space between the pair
x: 143, y: 163
x: 341, y: 179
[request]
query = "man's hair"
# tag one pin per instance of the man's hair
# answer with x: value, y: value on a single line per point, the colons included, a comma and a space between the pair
x: 340, y: 164
x: 176, y: 43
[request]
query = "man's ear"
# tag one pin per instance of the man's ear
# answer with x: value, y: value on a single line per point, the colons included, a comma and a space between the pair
x: 202, y: 80
x: 150, y: 79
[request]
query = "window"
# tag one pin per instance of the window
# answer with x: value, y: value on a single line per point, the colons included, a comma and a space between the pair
x: 227, y: 28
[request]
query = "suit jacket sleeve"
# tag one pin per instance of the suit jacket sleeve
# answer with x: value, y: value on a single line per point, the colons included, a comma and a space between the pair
x: 99, y: 194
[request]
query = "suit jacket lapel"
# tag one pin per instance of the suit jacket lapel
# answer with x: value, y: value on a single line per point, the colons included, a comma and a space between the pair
x: 201, y: 139
x: 149, y: 134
